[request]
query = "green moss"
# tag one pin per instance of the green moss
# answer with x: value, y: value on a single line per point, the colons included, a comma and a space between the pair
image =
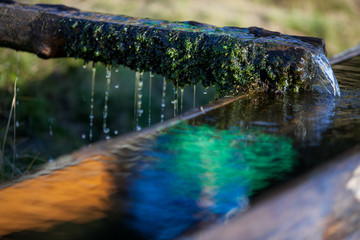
x: 230, y: 59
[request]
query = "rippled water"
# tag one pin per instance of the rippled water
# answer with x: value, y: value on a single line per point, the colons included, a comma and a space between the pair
x: 211, y: 167
x: 207, y: 169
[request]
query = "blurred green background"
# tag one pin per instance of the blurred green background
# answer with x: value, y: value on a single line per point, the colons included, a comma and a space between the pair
x: 53, y: 95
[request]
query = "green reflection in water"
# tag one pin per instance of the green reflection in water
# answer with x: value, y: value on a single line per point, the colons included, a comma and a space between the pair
x: 201, y: 172
x: 214, y: 157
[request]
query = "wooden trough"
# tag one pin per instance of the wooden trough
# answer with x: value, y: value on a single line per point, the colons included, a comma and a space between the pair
x: 322, y: 204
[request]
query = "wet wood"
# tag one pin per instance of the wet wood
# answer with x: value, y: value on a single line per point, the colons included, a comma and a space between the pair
x: 79, y: 188
x: 37, y: 28
x: 250, y: 58
x: 33, y: 29
x: 324, y: 204
x: 343, y: 56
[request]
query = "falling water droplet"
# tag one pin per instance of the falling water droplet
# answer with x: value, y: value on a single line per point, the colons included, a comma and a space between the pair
x: 50, y: 130
x: 194, y: 96
x: 17, y: 124
x: 181, y: 99
x: 116, y: 132
x: 117, y: 69
x: 83, y: 136
x: 135, y: 99
x: 175, y: 99
x: 116, y: 86
x: 138, y: 92
x: 163, y: 100
x: 205, y: 90
x: 91, y: 116
x: 50, y: 160
x: 51, y: 122
x: 106, y: 130
x: 84, y: 65
x: 151, y: 76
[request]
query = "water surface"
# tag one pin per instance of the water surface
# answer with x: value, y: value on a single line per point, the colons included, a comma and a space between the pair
x: 165, y: 184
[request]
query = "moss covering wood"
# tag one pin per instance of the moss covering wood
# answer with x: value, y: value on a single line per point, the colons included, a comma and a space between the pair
x: 231, y: 59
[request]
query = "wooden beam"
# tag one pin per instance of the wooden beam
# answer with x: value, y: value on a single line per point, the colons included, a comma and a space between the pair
x: 324, y: 204
x: 231, y: 59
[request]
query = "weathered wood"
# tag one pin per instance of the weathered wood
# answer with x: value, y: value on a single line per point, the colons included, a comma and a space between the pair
x: 79, y: 188
x: 350, y: 53
x: 229, y: 58
x: 324, y: 204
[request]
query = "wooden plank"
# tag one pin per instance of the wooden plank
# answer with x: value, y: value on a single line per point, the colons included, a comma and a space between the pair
x: 324, y: 204
x: 341, y: 57
x: 231, y: 59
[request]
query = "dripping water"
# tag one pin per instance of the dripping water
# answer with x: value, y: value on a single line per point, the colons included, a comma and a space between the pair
x: 194, y: 96
x: 163, y: 100
x: 84, y: 65
x: 151, y: 76
x: 205, y: 90
x: 181, y: 99
x: 106, y: 129
x: 138, y: 98
x: 175, y: 99
x: 51, y: 122
x: 91, y: 116
x: 325, y: 81
x: 136, y: 119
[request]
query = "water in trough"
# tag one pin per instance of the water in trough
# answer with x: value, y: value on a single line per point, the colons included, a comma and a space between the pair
x: 169, y: 182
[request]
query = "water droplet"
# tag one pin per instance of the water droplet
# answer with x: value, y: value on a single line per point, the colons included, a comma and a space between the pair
x: 105, y: 113
x: 117, y: 69
x: 138, y: 128
x: 194, y: 96
x: 181, y: 99
x: 138, y: 98
x: 107, y: 137
x: 175, y: 101
x: 163, y: 100
x: 91, y: 115
x: 17, y: 89
x: 83, y: 136
x: 17, y: 124
x: 17, y: 103
x: 50, y: 160
x: 84, y: 65
x: 116, y: 86
x: 116, y: 132
x: 151, y: 75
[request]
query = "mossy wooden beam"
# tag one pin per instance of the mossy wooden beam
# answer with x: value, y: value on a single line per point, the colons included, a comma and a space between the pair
x: 231, y: 59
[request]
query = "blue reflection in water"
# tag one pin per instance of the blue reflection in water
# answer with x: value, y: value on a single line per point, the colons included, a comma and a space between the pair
x: 200, y: 173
